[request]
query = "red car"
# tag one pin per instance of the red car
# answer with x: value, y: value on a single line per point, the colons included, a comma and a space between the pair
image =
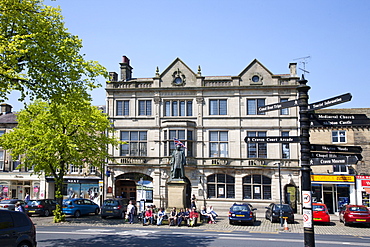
x: 320, y: 213
x: 352, y: 214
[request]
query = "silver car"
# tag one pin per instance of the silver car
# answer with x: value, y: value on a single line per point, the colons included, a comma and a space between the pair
x: 10, y: 204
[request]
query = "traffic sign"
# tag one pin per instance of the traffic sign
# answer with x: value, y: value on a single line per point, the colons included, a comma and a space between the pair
x: 338, y: 149
x: 334, y: 161
x: 278, y: 106
x: 272, y: 139
x: 330, y: 102
x: 333, y: 155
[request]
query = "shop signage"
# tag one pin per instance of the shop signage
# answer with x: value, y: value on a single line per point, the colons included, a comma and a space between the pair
x: 363, y: 177
x: 365, y: 183
x: 332, y: 178
x: 278, y: 106
x: 330, y: 102
x: 273, y: 139
x: 338, y: 149
x: 334, y: 161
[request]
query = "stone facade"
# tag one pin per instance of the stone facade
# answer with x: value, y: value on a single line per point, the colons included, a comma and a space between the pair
x: 211, y: 115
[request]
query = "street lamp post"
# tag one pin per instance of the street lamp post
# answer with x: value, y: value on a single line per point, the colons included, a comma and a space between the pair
x: 281, y: 198
x: 308, y: 230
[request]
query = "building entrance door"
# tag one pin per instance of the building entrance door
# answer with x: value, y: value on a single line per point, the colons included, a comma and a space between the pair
x: 328, y: 200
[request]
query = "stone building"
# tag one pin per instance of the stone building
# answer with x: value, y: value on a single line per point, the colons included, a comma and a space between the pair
x: 16, y: 182
x: 339, y: 184
x: 211, y: 115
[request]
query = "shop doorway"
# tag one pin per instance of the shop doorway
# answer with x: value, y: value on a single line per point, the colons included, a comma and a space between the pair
x: 291, y: 196
x: 134, y: 186
x: 328, y: 200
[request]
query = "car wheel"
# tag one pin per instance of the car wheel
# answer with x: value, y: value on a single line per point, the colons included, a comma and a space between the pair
x: 231, y: 222
x: 97, y: 211
x: 77, y: 214
x: 24, y: 244
x: 47, y: 213
x: 272, y: 221
x: 103, y: 217
x: 345, y: 223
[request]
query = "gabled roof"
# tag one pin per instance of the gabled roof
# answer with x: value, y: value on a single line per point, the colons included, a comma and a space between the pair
x: 253, y: 63
x: 173, y: 64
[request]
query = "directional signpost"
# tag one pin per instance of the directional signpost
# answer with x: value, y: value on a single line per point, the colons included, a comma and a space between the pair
x: 307, y: 119
x: 330, y: 102
x: 334, y: 161
x: 337, y: 149
x: 278, y: 106
x: 339, y: 120
x: 273, y: 139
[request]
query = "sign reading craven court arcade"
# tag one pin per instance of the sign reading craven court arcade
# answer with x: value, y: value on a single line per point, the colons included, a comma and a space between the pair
x: 272, y: 139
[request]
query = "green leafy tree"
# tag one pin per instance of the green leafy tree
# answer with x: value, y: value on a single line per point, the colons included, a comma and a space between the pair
x: 51, y: 136
x: 38, y: 57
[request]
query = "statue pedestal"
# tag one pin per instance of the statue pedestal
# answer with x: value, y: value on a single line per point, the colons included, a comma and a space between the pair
x: 176, y: 193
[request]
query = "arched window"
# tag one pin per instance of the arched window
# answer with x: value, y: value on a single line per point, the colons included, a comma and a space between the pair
x: 220, y: 186
x: 257, y: 187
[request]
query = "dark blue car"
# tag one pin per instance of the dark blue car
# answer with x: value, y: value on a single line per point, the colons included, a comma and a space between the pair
x: 79, y: 206
x: 242, y: 213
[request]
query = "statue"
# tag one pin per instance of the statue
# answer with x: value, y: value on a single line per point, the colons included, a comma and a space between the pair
x: 178, y: 161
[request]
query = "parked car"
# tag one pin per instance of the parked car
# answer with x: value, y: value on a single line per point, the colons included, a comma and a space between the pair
x: 79, y: 206
x: 354, y: 214
x: 320, y: 213
x: 114, y: 208
x: 242, y: 213
x: 10, y: 204
x: 273, y: 212
x: 42, y: 207
x: 16, y: 229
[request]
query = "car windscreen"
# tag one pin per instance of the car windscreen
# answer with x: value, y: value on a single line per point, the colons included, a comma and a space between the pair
x: 8, y: 202
x: 66, y: 203
x: 358, y: 209
x: 34, y: 203
x: 111, y: 203
x: 240, y: 208
x: 285, y: 208
x: 318, y: 208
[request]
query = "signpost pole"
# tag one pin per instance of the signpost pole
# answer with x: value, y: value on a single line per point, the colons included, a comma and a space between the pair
x: 309, y: 236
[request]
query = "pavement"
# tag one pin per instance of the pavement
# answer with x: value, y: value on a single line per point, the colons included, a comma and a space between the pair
x: 262, y: 225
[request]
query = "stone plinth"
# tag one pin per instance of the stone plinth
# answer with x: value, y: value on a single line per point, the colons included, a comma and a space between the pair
x: 176, y: 193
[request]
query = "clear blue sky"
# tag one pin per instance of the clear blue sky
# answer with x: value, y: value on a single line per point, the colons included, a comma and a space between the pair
x: 223, y: 37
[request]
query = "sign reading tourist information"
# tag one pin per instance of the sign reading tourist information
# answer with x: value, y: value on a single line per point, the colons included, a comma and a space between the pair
x: 272, y: 139
x: 334, y: 161
x: 337, y: 149
x: 338, y: 120
x: 278, y: 106
x: 330, y: 102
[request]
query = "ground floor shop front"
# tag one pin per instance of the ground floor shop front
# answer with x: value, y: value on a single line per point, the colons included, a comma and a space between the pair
x: 21, y: 184
x: 333, y: 190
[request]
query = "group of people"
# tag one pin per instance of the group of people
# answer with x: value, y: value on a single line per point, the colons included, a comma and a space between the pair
x: 190, y: 216
x: 209, y: 214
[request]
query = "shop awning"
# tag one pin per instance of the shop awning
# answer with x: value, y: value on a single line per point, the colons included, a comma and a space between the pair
x: 367, y: 190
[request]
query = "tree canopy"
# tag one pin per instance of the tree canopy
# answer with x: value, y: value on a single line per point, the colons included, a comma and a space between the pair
x: 38, y: 57
x: 50, y: 136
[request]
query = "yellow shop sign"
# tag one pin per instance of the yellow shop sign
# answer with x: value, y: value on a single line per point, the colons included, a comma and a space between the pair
x: 332, y: 178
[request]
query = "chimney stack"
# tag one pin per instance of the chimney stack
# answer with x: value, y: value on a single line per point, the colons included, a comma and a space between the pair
x: 126, y: 69
x: 293, y: 69
x: 6, y: 108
